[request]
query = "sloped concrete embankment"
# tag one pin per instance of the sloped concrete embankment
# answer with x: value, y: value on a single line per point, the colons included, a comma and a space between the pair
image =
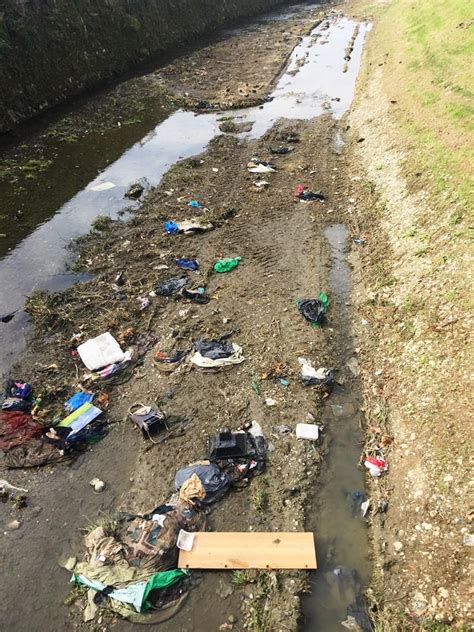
x: 51, y: 51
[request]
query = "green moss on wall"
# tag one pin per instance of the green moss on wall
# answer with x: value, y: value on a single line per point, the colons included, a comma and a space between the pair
x: 52, y: 50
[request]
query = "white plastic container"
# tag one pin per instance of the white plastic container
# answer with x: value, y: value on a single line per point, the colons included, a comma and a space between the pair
x: 307, y: 431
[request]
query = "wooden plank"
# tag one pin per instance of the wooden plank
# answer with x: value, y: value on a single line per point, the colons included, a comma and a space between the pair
x: 250, y: 550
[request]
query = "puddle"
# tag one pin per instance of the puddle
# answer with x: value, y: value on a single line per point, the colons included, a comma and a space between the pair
x: 340, y: 530
x: 40, y: 260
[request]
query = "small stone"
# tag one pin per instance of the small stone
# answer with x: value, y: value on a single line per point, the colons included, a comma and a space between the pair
x: 98, y: 485
x: 443, y: 593
x: 353, y: 367
x: 398, y: 546
x: 448, y: 478
x: 270, y: 401
x: 70, y: 563
x: 232, y: 619
x: 13, y: 525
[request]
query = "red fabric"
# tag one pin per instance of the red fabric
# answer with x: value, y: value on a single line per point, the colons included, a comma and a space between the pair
x: 299, y: 188
x: 16, y: 428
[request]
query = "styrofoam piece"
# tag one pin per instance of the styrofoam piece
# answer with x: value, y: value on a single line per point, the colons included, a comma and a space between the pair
x: 307, y: 431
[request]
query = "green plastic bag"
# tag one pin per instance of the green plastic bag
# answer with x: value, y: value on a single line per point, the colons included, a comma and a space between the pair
x: 227, y: 264
x: 162, y: 579
x: 324, y: 298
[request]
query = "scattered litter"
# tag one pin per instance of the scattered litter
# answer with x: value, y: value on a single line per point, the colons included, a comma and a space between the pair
x: 376, y: 465
x: 382, y: 505
x: 169, y: 363
x: 110, y: 369
x: 194, y: 204
x: 307, y: 431
x: 135, y: 191
x: 17, y: 396
x: 6, y: 487
x: 188, y: 227
x: 311, y: 196
x: 260, y: 185
x: 305, y: 195
x: 246, y: 446
x: 216, y: 354
x: 281, y: 150
x: 283, y: 429
x: 359, y: 241
x: 187, y: 264
x: 80, y: 418
x: 214, y: 480
x: 185, y: 540
x: 170, y: 287
x: 314, y: 309
x: 148, y: 419
x: 6, y: 318
x: 215, y: 169
x: 283, y: 382
x: 196, y: 296
x: 269, y: 401
x: 143, y: 301
x: 77, y: 400
x: 364, y: 508
x: 260, y: 166
x: 256, y: 387
x: 103, y: 186
x: 468, y: 539
x: 227, y: 264
x: 97, y: 485
x: 100, y: 351
x: 320, y: 377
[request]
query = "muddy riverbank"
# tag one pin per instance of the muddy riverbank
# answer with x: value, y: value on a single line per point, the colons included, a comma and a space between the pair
x: 49, y: 171
x: 285, y: 256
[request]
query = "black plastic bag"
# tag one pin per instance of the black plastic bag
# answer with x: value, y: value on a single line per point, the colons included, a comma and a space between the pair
x: 214, y: 349
x: 170, y: 287
x: 313, y: 310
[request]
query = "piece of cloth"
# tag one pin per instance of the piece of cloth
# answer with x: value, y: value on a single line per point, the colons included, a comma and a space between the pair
x: 192, y: 489
x: 204, y: 362
x: 132, y: 594
x: 16, y: 428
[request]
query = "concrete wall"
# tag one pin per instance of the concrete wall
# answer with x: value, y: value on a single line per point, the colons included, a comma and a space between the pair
x: 52, y: 50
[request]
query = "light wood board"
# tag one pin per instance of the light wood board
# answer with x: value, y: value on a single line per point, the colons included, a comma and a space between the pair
x: 250, y: 550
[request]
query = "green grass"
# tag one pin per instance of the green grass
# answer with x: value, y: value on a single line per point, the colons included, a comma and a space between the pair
x: 429, y: 47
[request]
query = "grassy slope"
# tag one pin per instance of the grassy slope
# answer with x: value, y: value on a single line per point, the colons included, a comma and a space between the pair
x: 415, y: 109
x: 429, y: 52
